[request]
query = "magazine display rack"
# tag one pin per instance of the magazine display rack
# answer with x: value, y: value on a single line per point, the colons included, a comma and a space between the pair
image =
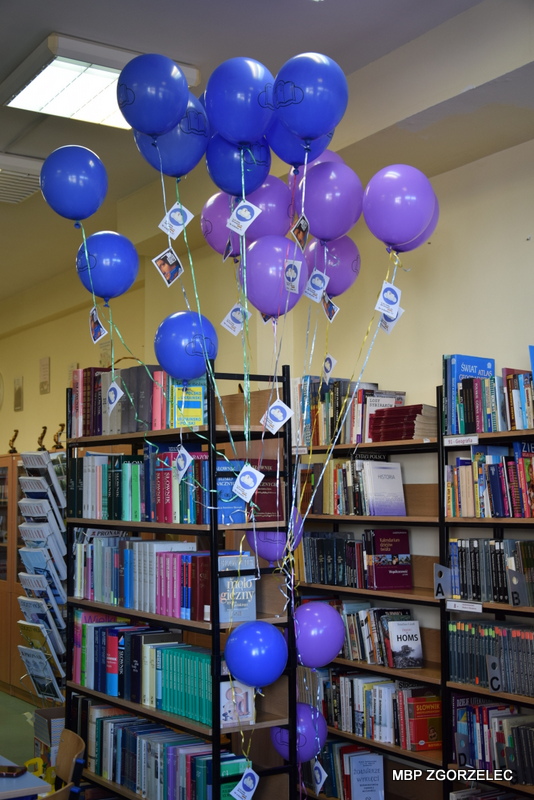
x: 183, y: 688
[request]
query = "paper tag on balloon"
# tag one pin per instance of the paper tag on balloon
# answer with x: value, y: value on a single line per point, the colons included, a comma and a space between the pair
x: 388, y: 323
x: 300, y: 231
x: 388, y: 302
x: 246, y: 786
x: 114, y: 395
x: 330, y: 308
x: 95, y: 325
x: 247, y: 482
x: 292, y: 274
x: 168, y: 265
x: 276, y: 415
x: 328, y: 367
x: 317, y: 283
x: 235, y: 319
x: 175, y: 220
x: 243, y: 215
x: 319, y: 777
x: 181, y: 463
x: 266, y: 318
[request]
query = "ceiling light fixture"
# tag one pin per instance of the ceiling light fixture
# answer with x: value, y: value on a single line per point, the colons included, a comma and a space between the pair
x: 19, y: 177
x: 73, y: 78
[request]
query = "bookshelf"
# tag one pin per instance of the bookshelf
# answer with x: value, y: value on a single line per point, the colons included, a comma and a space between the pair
x: 276, y: 705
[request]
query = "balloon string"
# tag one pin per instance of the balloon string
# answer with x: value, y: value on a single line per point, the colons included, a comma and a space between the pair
x: 245, y: 330
x: 306, y: 153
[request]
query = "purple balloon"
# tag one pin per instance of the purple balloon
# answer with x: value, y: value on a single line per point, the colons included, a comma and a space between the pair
x: 213, y: 218
x: 339, y: 259
x: 423, y: 237
x: 295, y: 175
x: 272, y: 545
x: 319, y: 633
x: 311, y: 734
x: 398, y: 204
x: 268, y: 264
x: 274, y: 199
x: 333, y: 199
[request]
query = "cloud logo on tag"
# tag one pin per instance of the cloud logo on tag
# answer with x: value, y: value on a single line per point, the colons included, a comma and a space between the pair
x: 249, y: 782
x: 390, y: 296
x: 291, y: 273
x: 248, y: 480
x: 181, y: 461
x: 112, y: 394
x: 277, y: 413
x: 318, y: 281
x: 177, y: 217
x: 236, y: 315
x: 244, y: 213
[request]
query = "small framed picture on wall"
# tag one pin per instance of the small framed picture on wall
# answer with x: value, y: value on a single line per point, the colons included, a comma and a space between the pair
x: 18, y: 395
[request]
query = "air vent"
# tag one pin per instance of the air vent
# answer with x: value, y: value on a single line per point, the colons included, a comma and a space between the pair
x: 19, y: 177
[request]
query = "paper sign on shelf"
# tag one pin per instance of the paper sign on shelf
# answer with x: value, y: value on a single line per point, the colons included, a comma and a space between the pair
x: 247, y: 482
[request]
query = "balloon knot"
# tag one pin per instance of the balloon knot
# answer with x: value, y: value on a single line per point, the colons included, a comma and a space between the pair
x: 295, y: 170
x: 78, y: 224
x: 106, y: 303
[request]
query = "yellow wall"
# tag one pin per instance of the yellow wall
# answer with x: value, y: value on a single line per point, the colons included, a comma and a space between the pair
x: 466, y: 291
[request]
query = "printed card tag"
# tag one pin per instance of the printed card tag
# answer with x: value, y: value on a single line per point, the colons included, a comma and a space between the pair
x: 388, y: 323
x: 266, y: 318
x: 292, y: 274
x: 388, y: 302
x: 247, y: 482
x: 175, y: 220
x: 95, y: 326
x: 114, y: 395
x: 328, y: 367
x: 319, y: 777
x: 300, y: 231
x: 243, y: 215
x: 329, y: 307
x: 235, y: 319
x: 168, y: 265
x: 246, y: 786
x: 317, y: 283
x: 276, y: 415
x: 181, y: 463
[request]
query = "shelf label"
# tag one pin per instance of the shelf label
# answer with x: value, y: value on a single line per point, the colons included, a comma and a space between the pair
x: 450, y: 441
x: 494, y: 674
x: 442, y: 582
x: 246, y: 786
x: 460, y: 605
x: 517, y: 588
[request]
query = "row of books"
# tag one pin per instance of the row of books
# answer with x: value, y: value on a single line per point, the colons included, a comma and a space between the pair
x: 494, y: 481
x: 151, y: 400
x: 148, y: 758
x: 365, y: 487
x: 378, y: 559
x: 385, y: 636
x: 401, y: 712
x: 164, y: 577
x: 510, y: 646
x: 489, y: 570
x: 478, y: 400
x: 351, y: 771
x: 160, y: 486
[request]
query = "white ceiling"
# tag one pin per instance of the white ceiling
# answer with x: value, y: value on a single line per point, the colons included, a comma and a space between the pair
x: 204, y: 33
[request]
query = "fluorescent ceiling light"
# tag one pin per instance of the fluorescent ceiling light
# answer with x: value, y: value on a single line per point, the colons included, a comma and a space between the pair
x: 73, y: 78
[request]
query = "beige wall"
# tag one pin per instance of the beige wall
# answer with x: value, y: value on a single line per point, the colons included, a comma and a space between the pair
x: 466, y: 291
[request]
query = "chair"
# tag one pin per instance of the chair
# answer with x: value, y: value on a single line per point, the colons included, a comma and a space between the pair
x: 62, y: 794
x: 69, y: 762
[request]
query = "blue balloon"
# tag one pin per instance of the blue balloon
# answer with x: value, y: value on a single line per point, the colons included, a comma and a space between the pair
x: 113, y: 264
x: 291, y: 148
x: 183, y: 343
x: 74, y: 181
x: 238, y: 99
x: 152, y: 94
x: 256, y: 653
x: 310, y: 95
x: 176, y: 153
x: 223, y: 160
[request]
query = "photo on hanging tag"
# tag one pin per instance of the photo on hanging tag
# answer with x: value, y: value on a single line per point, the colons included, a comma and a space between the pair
x: 276, y: 415
x: 235, y: 319
x: 243, y: 216
x: 246, y: 786
x: 247, y: 482
x: 300, y: 231
x: 330, y: 308
x: 266, y: 318
x: 95, y: 326
x: 228, y: 250
x: 388, y: 323
x: 168, y: 265
x: 328, y: 367
x: 388, y: 302
x: 114, y: 395
x: 316, y: 286
x: 292, y: 275
x: 175, y: 220
x: 181, y: 463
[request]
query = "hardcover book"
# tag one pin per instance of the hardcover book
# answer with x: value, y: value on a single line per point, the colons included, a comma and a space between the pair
x: 391, y: 559
x: 406, y: 644
x: 459, y: 367
x: 237, y: 593
x: 424, y: 720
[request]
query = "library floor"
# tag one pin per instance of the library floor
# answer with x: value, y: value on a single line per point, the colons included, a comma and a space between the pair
x: 16, y: 729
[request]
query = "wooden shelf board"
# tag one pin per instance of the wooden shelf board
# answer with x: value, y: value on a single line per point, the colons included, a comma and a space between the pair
x: 412, y: 520
x: 428, y: 756
x: 395, y: 445
x: 493, y: 522
x: 162, y: 527
x: 427, y: 674
x: 418, y: 594
x: 521, y: 787
x: 473, y: 689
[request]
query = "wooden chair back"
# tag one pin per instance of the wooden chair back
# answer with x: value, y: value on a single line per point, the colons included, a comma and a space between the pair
x: 61, y: 794
x: 71, y: 747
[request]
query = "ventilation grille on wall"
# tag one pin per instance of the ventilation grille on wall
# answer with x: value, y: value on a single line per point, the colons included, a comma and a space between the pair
x: 19, y: 177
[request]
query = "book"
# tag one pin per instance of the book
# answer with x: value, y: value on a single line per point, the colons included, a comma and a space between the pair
x: 237, y: 703
x: 40, y: 463
x: 456, y: 368
x: 366, y: 776
x: 36, y: 585
x: 35, y: 610
x: 390, y: 559
x: 38, y: 561
x: 41, y: 674
x: 405, y: 642
x: 384, y: 488
x: 237, y: 594
x: 231, y: 509
x: 424, y: 720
